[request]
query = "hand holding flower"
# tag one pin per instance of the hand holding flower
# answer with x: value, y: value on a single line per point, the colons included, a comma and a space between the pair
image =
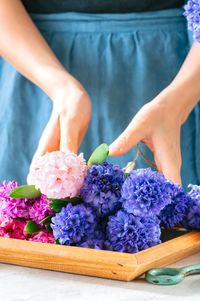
x: 68, y: 122
x: 159, y: 128
x: 158, y: 123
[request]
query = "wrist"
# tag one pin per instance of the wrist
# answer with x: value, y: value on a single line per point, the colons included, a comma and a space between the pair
x: 56, y: 83
x: 177, y: 102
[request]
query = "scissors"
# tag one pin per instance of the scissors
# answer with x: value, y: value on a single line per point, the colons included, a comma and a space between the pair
x: 171, y: 276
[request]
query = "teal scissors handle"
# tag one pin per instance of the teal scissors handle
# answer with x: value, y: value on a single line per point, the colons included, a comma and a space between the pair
x: 171, y: 276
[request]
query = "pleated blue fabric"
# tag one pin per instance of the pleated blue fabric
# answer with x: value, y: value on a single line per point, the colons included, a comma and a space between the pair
x: 123, y: 61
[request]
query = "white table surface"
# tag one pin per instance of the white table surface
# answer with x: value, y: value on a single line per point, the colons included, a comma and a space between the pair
x: 27, y: 284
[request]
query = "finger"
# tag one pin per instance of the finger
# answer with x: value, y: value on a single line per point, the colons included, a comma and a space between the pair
x: 82, y: 134
x: 130, y: 137
x: 68, y: 136
x: 168, y: 159
x: 49, y: 140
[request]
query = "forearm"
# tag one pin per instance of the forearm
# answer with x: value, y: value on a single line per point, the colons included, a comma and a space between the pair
x: 184, y: 91
x: 22, y: 45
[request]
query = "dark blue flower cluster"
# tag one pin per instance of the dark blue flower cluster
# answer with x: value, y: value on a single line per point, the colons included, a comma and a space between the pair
x: 98, y: 244
x: 125, y: 214
x: 192, y: 217
x: 174, y: 213
x: 192, y: 13
x: 74, y: 224
x: 102, y: 188
x: 145, y: 192
x: 129, y: 233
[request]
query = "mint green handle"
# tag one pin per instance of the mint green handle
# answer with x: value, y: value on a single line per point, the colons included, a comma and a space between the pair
x: 171, y: 276
x: 190, y: 269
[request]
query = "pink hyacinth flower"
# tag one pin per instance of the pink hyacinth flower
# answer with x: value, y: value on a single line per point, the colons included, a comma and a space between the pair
x: 59, y: 174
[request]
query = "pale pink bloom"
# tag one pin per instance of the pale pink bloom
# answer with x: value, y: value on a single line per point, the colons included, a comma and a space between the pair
x: 59, y: 174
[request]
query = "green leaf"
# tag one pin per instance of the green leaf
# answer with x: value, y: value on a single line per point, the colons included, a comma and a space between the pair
x: 99, y: 155
x: 32, y: 227
x: 58, y: 204
x: 48, y: 227
x: 26, y: 191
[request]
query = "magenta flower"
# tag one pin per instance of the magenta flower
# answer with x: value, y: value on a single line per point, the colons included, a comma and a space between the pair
x: 43, y: 236
x: 15, y: 208
x: 12, y: 229
x: 58, y: 174
x: 35, y: 209
x: 40, y: 209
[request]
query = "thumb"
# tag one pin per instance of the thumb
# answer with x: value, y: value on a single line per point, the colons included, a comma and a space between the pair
x: 68, y: 136
x: 168, y: 160
x: 129, y: 138
x: 49, y: 140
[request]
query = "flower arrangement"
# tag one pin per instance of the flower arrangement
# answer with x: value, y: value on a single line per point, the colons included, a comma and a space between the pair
x: 95, y: 205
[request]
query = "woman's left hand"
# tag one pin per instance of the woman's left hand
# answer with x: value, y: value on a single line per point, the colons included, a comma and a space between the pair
x: 157, y: 125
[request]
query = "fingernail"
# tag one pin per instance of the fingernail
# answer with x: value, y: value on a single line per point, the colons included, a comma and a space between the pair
x: 113, y: 148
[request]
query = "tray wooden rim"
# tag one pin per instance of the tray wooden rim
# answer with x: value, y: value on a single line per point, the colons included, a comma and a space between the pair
x: 99, y: 263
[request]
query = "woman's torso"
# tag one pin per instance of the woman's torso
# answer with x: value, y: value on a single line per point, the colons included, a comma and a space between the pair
x: 117, y: 58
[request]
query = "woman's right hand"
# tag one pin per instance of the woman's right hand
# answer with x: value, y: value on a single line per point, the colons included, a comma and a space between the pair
x: 68, y: 122
x: 33, y: 58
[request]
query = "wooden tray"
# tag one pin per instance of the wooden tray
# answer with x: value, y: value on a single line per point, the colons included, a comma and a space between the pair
x: 106, y: 264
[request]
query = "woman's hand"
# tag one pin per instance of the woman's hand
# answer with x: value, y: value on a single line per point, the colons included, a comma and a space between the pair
x: 69, y: 120
x: 32, y: 57
x: 157, y: 125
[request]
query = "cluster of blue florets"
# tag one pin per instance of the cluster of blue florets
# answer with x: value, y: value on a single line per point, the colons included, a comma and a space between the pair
x: 145, y: 192
x: 102, y: 188
x: 192, y: 13
x: 191, y: 219
x: 176, y: 210
x: 125, y: 214
x: 74, y: 224
x: 129, y: 233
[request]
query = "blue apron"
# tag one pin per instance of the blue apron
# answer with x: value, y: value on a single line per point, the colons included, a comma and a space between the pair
x: 123, y: 61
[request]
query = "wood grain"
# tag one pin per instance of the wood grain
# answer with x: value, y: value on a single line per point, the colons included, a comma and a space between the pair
x: 106, y: 264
